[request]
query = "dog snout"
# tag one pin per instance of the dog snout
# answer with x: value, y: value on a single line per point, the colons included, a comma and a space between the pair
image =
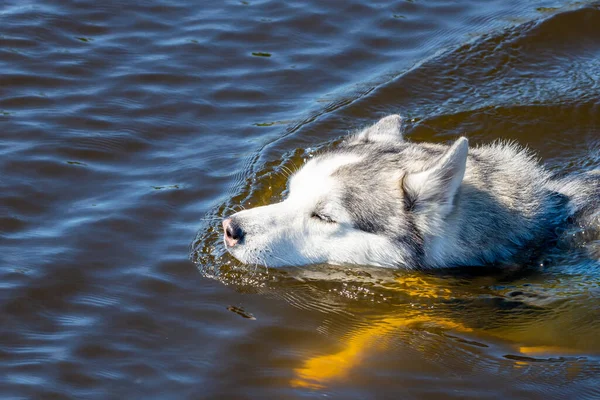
x: 233, y: 232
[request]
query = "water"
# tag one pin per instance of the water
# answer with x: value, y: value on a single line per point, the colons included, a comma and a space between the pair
x: 128, y: 127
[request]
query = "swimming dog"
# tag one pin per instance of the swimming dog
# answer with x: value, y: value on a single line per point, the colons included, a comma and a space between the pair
x: 381, y: 200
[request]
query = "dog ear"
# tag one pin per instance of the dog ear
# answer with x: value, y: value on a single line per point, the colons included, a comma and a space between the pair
x: 432, y: 191
x: 387, y: 129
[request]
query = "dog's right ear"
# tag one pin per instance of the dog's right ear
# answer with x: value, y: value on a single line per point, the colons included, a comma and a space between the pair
x: 388, y: 129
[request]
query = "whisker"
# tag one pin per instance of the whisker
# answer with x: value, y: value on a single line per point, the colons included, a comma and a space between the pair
x: 285, y: 262
x: 280, y: 172
x: 230, y: 210
x: 288, y: 170
x: 284, y: 174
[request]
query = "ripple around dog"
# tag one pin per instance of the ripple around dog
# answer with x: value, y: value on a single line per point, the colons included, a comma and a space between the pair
x: 102, y: 103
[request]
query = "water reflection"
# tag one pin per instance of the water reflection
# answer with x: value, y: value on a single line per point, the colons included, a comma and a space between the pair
x: 321, y: 370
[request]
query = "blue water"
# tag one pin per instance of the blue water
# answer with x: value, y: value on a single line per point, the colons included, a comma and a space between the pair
x: 129, y: 128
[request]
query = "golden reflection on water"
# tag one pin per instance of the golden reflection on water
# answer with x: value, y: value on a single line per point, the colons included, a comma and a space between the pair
x: 320, y: 370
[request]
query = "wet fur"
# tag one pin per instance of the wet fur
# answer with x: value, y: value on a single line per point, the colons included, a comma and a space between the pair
x: 396, y: 203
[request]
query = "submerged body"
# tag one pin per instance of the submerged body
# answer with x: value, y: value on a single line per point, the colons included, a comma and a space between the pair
x: 380, y: 200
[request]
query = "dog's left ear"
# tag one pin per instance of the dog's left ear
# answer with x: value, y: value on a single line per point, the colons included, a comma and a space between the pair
x: 388, y: 129
x: 432, y: 191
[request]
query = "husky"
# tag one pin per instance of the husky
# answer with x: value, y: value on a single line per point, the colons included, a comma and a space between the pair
x: 381, y: 200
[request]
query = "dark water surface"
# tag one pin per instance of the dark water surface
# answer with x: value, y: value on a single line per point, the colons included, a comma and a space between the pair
x: 129, y: 127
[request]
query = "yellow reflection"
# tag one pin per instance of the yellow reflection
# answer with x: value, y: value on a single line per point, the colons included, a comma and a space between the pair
x: 417, y: 286
x: 320, y: 370
x: 325, y: 368
x: 547, y: 350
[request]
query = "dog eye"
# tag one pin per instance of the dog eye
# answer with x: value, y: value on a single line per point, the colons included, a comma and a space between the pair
x: 324, y: 218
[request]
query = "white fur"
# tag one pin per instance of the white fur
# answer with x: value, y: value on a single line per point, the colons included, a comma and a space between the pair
x: 383, y: 201
x: 286, y: 233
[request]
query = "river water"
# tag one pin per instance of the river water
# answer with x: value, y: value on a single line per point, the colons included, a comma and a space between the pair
x: 129, y: 128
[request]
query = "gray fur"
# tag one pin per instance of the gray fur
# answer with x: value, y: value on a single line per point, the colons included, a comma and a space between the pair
x: 442, y: 206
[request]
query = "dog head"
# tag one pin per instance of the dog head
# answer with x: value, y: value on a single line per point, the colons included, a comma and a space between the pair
x: 375, y: 200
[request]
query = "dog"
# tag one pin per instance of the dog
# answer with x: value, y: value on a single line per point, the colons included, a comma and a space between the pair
x: 381, y: 200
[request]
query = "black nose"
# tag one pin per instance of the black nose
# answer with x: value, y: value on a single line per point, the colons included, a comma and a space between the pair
x: 234, y: 231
